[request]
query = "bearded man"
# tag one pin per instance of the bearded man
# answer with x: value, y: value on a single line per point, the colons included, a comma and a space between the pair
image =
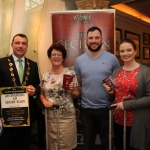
x: 91, y: 68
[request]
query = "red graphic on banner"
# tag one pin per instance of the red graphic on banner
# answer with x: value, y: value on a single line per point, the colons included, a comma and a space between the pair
x: 70, y: 30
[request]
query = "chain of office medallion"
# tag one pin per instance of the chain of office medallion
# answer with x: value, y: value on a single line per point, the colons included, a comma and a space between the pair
x: 12, y: 73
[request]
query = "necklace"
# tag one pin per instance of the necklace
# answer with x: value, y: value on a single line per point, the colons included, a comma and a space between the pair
x: 12, y: 73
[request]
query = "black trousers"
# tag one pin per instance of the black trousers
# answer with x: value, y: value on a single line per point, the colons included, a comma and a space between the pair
x: 118, y: 140
x: 95, y: 121
x: 15, y: 138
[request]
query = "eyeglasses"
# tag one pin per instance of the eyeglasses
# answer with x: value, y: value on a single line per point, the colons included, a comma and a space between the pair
x: 54, y: 55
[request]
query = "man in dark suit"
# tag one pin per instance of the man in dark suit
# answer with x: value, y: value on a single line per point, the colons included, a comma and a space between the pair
x: 17, y: 138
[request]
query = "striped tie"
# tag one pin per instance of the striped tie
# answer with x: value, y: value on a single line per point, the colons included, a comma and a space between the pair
x: 20, y: 70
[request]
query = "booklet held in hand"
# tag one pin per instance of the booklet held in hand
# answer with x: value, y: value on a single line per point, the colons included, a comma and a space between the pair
x: 67, y: 79
x: 110, y: 82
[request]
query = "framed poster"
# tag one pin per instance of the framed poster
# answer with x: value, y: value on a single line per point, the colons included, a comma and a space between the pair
x: 146, y: 52
x: 146, y: 39
x: 15, y: 106
x: 136, y: 38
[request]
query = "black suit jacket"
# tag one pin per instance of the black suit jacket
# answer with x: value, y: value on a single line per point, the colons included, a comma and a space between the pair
x: 33, y: 79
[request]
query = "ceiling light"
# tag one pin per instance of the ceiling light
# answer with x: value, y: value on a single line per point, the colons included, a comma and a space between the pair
x: 128, y: 10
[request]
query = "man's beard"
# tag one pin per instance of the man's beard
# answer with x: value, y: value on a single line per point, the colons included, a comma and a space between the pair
x: 94, y: 50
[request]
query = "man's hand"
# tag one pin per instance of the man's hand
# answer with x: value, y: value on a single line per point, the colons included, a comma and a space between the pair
x: 2, y: 122
x: 31, y: 90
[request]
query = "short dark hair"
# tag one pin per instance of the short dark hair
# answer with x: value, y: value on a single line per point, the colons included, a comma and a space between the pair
x: 126, y: 40
x: 91, y: 29
x: 21, y: 35
x: 58, y: 47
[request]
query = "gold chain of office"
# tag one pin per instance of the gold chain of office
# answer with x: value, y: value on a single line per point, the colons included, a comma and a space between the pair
x: 12, y: 73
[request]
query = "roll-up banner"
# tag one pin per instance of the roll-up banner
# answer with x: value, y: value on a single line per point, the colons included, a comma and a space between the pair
x: 70, y: 29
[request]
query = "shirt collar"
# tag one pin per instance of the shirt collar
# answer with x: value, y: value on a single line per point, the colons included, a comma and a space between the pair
x: 16, y: 59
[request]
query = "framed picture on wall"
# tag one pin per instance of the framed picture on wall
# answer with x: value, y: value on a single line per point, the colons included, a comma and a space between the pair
x: 146, y: 39
x: 136, y: 38
x: 146, y: 52
x: 118, y: 40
